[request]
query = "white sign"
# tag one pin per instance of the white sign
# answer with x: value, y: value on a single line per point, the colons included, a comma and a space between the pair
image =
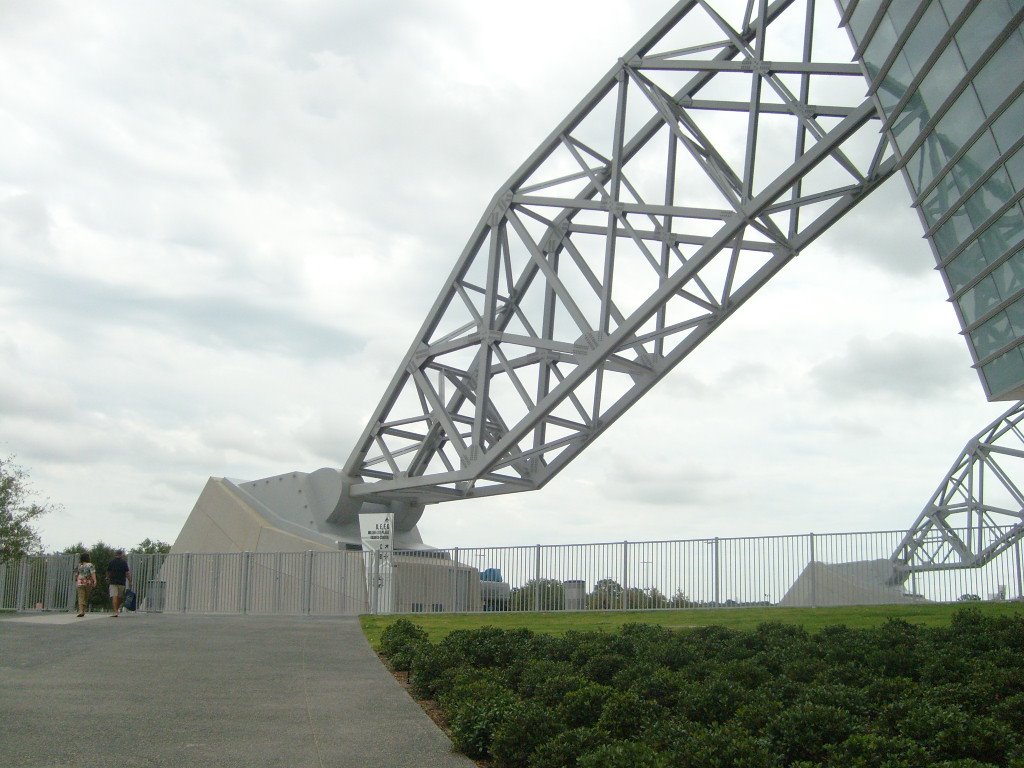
x: 378, y: 542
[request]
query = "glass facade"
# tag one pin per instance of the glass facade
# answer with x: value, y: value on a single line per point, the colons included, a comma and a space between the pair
x: 949, y: 78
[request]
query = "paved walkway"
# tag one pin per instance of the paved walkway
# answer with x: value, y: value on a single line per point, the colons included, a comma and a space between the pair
x: 148, y: 690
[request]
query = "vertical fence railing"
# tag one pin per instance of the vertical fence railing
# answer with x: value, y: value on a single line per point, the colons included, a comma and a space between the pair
x: 38, y: 582
x: 809, y: 569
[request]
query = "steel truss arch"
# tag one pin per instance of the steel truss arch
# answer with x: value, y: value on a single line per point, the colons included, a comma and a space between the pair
x: 658, y: 206
x: 977, y: 512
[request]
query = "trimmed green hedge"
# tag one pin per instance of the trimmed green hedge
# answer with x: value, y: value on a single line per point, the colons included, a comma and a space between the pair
x: 898, y: 695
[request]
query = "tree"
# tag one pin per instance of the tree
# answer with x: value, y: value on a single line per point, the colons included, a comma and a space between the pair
x: 538, y: 595
x: 17, y: 536
x: 147, y: 547
x: 607, y: 594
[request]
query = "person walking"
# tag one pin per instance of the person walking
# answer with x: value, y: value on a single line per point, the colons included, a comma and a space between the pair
x: 118, y: 576
x: 85, y: 580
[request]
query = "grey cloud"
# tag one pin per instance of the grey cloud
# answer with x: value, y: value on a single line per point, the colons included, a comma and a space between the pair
x: 671, y: 483
x: 219, y: 321
x: 898, y: 366
x: 885, y: 232
x: 48, y: 400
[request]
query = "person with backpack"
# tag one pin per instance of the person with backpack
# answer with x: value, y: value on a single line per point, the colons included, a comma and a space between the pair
x: 119, y: 577
x: 85, y: 581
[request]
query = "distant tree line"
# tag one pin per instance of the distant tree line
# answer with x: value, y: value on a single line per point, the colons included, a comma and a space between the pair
x: 607, y: 594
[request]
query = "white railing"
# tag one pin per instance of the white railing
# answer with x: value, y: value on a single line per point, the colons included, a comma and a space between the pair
x: 38, y: 582
x: 798, y: 570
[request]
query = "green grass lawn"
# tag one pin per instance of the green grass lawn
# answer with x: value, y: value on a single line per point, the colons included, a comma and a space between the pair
x: 438, y: 625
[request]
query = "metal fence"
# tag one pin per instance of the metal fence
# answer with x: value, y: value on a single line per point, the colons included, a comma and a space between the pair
x: 807, y: 570
x: 41, y: 582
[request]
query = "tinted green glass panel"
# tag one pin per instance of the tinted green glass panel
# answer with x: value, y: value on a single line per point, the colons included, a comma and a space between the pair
x: 994, y: 334
x: 981, y: 28
x: 926, y: 35
x: 1016, y: 314
x: 1015, y: 169
x: 1010, y: 275
x: 978, y: 159
x: 1007, y: 127
x: 947, y: 70
x: 953, y: 8
x: 993, y: 194
x: 979, y: 300
x: 1003, y: 235
x: 862, y: 17
x: 966, y: 266
x: 961, y: 121
x: 996, y: 80
x: 1004, y: 372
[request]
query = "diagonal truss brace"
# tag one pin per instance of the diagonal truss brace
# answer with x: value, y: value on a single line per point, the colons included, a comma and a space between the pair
x: 540, y: 339
x: 977, y: 512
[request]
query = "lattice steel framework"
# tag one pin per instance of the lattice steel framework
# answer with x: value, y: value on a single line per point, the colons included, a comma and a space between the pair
x: 708, y: 157
x: 977, y: 511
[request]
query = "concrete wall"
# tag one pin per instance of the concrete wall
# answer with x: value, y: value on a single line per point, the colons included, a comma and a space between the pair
x: 858, y: 583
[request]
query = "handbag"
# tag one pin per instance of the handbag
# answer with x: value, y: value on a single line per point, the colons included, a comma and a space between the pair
x: 130, y: 599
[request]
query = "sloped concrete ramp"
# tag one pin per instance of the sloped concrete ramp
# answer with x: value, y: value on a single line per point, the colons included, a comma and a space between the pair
x: 858, y: 583
x: 148, y: 690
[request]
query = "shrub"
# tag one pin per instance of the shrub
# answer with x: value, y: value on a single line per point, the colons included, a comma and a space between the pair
x: 533, y: 674
x: 846, y: 697
x: 525, y: 727
x: 552, y: 691
x: 475, y: 708
x: 712, y: 702
x: 806, y: 731
x: 775, y: 634
x: 490, y: 646
x: 626, y: 715
x: 1011, y: 711
x: 583, y: 646
x: 621, y: 754
x: 583, y: 706
x: 870, y: 750
x: 949, y: 733
x: 563, y: 750
x: 603, y: 667
x: 759, y: 708
x: 720, y: 746
x: 401, y: 641
x: 749, y: 673
x: 661, y: 685
x: 428, y: 668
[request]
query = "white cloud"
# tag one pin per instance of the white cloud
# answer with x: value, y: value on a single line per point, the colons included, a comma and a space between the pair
x: 221, y: 228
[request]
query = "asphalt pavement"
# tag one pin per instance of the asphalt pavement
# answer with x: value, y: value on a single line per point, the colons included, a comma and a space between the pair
x: 148, y: 690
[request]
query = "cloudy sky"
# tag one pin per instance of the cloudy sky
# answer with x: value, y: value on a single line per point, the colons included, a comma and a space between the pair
x: 221, y: 225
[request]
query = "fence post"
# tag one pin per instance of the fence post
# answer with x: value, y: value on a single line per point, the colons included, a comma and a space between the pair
x: 186, y: 574
x: 307, y: 585
x: 277, y: 582
x: 455, y: 581
x: 536, y: 578
x: 718, y: 575
x: 243, y: 590
x: 22, y: 594
x: 814, y: 575
x: 3, y: 583
x: 213, y: 594
x: 625, y: 575
x: 1020, y: 575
